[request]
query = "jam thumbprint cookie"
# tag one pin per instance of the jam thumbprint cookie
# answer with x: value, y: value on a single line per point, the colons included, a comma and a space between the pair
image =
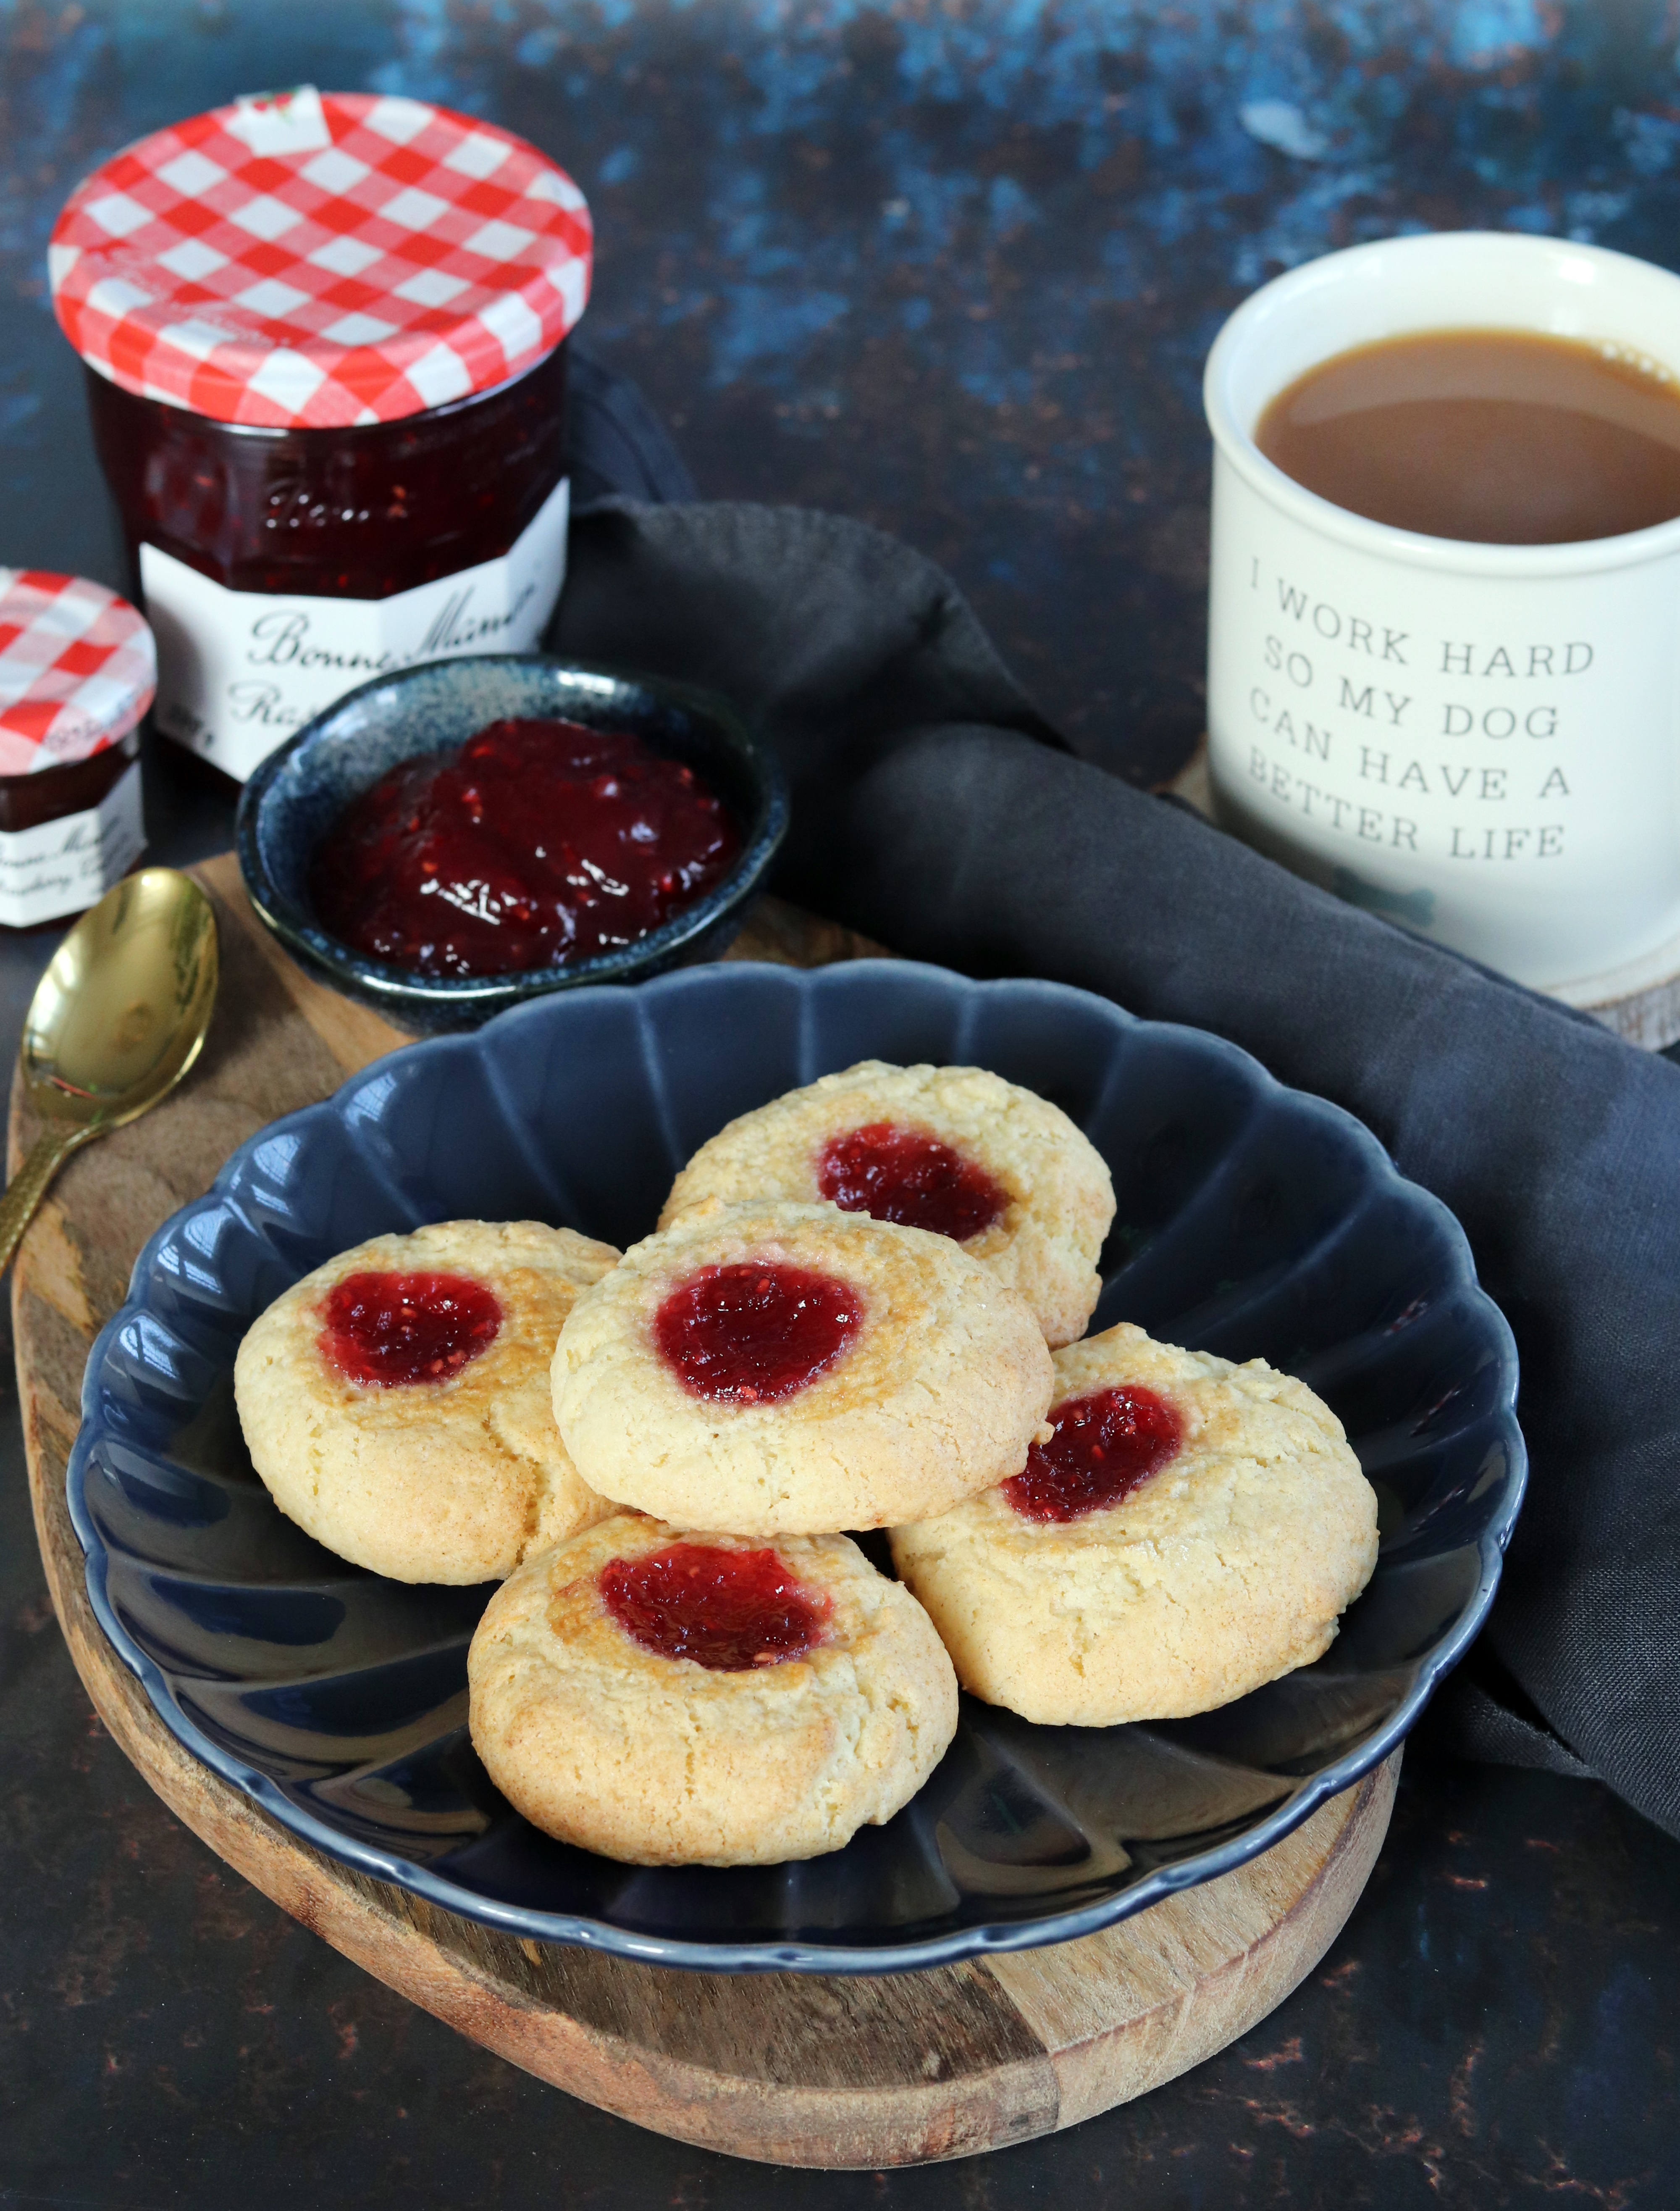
x: 1191, y: 1530
x: 667, y: 1697
x: 775, y: 1369
x: 395, y: 1402
x: 953, y: 1150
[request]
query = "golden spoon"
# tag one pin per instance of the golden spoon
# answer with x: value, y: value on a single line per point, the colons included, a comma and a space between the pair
x: 116, y: 1021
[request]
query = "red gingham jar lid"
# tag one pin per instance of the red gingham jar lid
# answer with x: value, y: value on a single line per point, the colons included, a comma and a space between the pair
x: 315, y: 260
x: 77, y: 670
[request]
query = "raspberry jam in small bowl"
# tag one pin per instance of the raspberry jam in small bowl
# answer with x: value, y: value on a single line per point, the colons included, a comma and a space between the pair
x: 536, y: 844
x: 416, y: 777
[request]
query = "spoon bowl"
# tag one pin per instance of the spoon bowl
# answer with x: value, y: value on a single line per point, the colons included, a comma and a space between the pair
x: 117, y: 1019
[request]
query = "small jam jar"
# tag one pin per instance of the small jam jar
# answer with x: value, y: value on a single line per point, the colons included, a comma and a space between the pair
x: 77, y: 671
x: 325, y: 343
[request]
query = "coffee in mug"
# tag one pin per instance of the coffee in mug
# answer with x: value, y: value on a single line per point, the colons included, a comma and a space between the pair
x: 1495, y: 437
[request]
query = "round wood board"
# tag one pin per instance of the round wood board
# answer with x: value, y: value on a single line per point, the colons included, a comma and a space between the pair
x: 793, y: 2068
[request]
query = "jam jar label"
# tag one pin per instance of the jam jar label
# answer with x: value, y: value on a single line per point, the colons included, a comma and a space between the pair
x: 65, y: 866
x: 238, y: 672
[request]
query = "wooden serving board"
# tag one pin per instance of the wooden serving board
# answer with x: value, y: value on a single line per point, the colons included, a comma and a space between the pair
x: 795, y: 2068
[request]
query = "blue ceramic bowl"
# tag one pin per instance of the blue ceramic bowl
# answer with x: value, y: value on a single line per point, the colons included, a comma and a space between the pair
x: 300, y: 791
x: 1253, y: 1222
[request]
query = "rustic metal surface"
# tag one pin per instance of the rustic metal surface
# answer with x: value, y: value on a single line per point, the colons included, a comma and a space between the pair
x: 952, y: 265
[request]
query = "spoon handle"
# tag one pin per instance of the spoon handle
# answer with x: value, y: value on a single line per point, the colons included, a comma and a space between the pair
x: 29, y: 1186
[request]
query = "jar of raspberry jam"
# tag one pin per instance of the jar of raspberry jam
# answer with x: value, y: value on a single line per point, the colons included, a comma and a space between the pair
x: 77, y: 671
x: 325, y: 336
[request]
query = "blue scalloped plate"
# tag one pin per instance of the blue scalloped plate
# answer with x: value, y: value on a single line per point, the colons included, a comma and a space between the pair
x: 1253, y: 1222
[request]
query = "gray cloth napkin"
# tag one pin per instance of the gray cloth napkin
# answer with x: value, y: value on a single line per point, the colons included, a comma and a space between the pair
x: 934, y: 807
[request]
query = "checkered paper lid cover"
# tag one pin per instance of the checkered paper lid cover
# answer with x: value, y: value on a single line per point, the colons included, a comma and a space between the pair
x: 392, y: 256
x: 77, y: 670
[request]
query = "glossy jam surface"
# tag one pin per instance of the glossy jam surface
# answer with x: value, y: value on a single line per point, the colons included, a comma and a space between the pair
x: 537, y: 844
x: 1105, y: 1446
x: 752, y: 1333
x: 906, y: 1176
x: 358, y: 513
x: 731, y: 1610
x: 394, y: 1331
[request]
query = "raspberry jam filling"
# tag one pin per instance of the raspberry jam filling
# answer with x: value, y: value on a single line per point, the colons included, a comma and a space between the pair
x: 730, y: 1610
x: 390, y: 1328
x: 756, y: 1332
x: 536, y: 844
x: 1105, y: 1446
x: 911, y: 1178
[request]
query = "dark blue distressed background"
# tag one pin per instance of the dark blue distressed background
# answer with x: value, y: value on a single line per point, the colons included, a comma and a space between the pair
x: 952, y: 267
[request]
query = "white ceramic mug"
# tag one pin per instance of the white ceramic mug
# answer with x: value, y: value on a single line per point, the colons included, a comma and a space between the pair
x: 1482, y: 742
